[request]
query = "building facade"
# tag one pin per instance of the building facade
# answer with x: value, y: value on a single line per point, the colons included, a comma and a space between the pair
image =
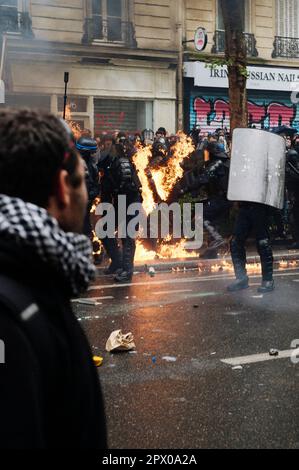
x: 120, y: 54
x: 130, y: 65
x: 272, y: 37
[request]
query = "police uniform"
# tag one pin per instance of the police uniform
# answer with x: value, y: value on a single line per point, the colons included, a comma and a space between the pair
x: 120, y: 178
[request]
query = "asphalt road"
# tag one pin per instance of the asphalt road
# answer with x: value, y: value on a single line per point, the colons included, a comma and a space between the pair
x: 175, y: 391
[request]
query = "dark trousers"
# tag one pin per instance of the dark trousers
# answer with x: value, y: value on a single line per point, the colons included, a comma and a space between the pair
x: 252, y: 217
x: 121, y: 257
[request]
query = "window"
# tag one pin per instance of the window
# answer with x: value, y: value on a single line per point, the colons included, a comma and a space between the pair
x: 108, y: 16
x: 8, y: 16
x: 77, y: 104
x: 246, y: 16
x: 287, y: 18
x: 9, y: 3
x: 28, y: 101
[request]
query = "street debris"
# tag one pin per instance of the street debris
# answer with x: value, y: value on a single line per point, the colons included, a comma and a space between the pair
x: 98, y: 361
x: 237, y: 368
x: 118, y: 341
x: 273, y: 352
x: 152, y: 272
x: 154, y: 359
x: 169, y: 358
x: 196, y: 306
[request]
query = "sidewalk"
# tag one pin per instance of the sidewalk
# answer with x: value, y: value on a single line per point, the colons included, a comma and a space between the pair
x: 282, y: 258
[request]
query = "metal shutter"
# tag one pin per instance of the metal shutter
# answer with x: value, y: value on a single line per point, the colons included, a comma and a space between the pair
x: 210, y: 109
x: 111, y: 115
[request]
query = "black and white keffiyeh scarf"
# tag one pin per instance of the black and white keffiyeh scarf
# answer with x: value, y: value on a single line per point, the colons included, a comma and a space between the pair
x: 30, y: 226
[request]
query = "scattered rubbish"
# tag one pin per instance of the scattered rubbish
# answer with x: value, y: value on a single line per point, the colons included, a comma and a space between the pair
x: 273, y: 352
x: 237, y: 368
x: 118, y: 341
x: 258, y: 296
x: 133, y: 352
x: 213, y: 354
x: 154, y: 359
x: 97, y: 360
x: 127, y: 297
x: 152, y: 272
x: 196, y: 306
x: 169, y: 358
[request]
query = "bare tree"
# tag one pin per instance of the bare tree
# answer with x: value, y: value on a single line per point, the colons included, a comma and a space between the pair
x: 236, y: 60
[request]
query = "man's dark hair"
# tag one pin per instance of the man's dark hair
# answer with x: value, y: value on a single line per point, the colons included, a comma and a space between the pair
x: 34, y: 147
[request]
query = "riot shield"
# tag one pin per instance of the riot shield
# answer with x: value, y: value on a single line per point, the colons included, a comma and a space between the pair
x: 257, y: 170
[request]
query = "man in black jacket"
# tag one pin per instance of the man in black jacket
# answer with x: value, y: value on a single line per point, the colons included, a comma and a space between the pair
x: 50, y: 395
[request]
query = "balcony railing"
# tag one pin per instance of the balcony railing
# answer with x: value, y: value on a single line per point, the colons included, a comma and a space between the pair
x: 286, y: 47
x: 110, y: 30
x: 12, y: 21
x: 219, y: 43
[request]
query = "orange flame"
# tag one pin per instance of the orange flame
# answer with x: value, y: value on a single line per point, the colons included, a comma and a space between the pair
x: 164, y: 251
x: 74, y: 126
x: 141, y: 160
x: 166, y: 177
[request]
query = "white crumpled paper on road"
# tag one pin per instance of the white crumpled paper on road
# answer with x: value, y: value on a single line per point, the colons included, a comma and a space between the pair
x: 117, y: 341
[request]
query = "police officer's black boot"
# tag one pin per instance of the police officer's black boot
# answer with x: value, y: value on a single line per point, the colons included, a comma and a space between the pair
x: 266, y: 255
x: 113, y: 251
x: 126, y: 274
x: 218, y: 240
x: 238, y: 255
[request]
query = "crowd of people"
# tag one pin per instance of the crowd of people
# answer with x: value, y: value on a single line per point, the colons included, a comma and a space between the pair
x: 45, y: 260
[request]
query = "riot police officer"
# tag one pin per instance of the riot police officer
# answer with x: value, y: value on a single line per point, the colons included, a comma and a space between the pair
x: 213, y: 179
x: 257, y: 192
x: 120, y: 178
x: 88, y: 148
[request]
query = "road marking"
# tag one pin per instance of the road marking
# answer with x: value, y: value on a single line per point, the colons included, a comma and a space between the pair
x: 202, y: 294
x: 95, y: 299
x: 172, y: 291
x: 186, y: 280
x: 237, y: 361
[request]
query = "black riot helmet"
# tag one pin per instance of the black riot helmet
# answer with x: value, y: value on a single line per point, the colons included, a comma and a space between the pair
x: 86, y: 146
x: 160, y: 147
x: 216, y: 151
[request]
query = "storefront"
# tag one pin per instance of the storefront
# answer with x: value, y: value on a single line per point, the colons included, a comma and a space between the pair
x: 269, y: 92
x: 124, y: 95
